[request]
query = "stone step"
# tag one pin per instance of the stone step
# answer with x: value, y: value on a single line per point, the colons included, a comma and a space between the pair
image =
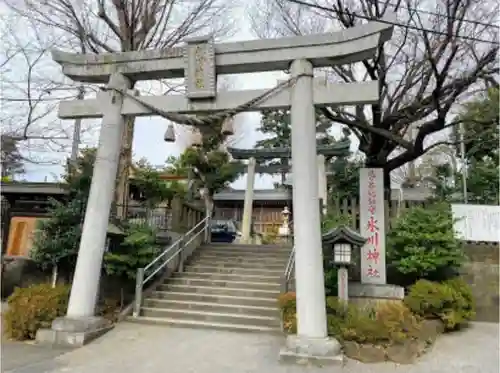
x: 203, y: 324
x: 205, y: 268
x: 226, y: 318
x: 227, y: 277
x: 215, y: 298
x: 242, y: 258
x: 222, y: 283
x: 248, y: 248
x: 247, y: 254
x: 240, y: 263
x: 273, y: 294
x: 213, y: 307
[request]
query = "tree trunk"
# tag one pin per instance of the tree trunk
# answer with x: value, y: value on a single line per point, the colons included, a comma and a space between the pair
x: 54, y: 275
x: 387, y: 185
x: 209, y: 204
x: 125, y: 162
x: 374, y: 163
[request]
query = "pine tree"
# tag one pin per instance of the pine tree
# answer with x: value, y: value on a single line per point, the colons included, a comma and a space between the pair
x: 276, y: 125
x: 11, y: 158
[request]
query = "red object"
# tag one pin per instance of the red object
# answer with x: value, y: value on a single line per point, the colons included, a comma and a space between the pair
x: 373, y: 255
x: 372, y: 225
x: 372, y: 272
x: 373, y: 240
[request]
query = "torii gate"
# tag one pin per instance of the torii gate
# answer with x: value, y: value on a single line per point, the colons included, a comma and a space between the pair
x: 253, y: 155
x: 200, y: 62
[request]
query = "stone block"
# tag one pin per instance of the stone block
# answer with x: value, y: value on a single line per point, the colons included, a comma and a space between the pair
x: 405, y: 353
x: 311, y: 351
x: 372, y: 295
x: 366, y: 353
x: 360, y: 290
x: 429, y: 330
x: 73, y: 332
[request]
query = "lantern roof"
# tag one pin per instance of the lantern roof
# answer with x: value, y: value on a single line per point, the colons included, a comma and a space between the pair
x: 343, y: 234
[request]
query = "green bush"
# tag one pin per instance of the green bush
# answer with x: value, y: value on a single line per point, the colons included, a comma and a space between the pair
x: 450, y: 301
x: 331, y: 281
x: 137, y: 250
x: 288, y: 305
x: 333, y: 220
x: 56, y: 239
x: 32, y: 308
x: 422, y: 245
x: 385, y: 324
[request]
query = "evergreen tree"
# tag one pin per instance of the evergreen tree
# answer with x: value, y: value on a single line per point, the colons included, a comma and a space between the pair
x: 12, y: 163
x: 276, y: 125
x: 209, y: 165
x: 480, y: 120
x: 57, y: 238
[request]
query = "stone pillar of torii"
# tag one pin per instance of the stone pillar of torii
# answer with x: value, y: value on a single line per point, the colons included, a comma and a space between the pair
x: 200, y: 61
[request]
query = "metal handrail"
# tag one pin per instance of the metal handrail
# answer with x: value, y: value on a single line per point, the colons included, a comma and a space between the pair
x: 289, y: 269
x: 175, y: 249
x: 168, y: 249
x: 289, y: 265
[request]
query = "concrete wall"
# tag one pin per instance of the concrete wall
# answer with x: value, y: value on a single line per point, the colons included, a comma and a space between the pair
x: 482, y: 273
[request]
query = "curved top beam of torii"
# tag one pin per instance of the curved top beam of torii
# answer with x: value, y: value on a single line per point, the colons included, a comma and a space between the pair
x: 344, y: 47
x: 338, y: 149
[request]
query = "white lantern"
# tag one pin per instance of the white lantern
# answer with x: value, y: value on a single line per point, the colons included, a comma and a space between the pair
x: 227, y: 127
x: 196, y: 138
x: 342, y: 253
x: 169, y: 133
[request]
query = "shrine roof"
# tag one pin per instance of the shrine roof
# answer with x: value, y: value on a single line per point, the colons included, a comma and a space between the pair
x: 259, y: 195
x: 13, y: 187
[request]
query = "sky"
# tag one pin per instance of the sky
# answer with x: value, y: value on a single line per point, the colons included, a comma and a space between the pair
x: 149, y: 131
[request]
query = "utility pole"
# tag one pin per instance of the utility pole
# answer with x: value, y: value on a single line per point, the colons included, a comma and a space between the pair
x: 464, y: 162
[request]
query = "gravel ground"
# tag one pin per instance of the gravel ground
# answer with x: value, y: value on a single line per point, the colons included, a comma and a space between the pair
x: 156, y: 349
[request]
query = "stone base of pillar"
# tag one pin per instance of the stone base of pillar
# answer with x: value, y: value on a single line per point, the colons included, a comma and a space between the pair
x: 73, y: 332
x: 312, y: 351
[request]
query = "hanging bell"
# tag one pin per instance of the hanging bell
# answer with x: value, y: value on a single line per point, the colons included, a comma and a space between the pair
x: 196, y: 138
x: 169, y: 133
x: 227, y: 127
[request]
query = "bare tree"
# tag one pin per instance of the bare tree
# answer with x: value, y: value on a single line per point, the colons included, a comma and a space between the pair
x: 30, y: 92
x: 440, y: 53
x: 126, y: 25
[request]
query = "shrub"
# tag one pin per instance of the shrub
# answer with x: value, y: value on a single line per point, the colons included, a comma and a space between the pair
x: 450, y: 301
x: 56, y: 239
x: 387, y: 323
x: 422, y: 245
x: 137, y: 250
x: 288, y: 305
x: 333, y: 220
x: 32, y: 308
x: 331, y: 282
x: 109, y: 309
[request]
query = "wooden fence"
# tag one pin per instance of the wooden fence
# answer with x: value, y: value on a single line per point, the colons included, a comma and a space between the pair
x: 350, y: 207
x: 268, y: 220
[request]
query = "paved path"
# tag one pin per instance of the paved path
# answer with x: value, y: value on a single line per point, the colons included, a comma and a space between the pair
x: 152, y: 349
x: 17, y: 355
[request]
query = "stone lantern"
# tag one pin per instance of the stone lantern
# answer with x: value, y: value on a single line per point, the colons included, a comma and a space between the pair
x: 284, y: 230
x: 340, y: 243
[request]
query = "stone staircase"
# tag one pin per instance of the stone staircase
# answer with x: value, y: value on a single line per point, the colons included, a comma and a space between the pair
x: 224, y: 286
